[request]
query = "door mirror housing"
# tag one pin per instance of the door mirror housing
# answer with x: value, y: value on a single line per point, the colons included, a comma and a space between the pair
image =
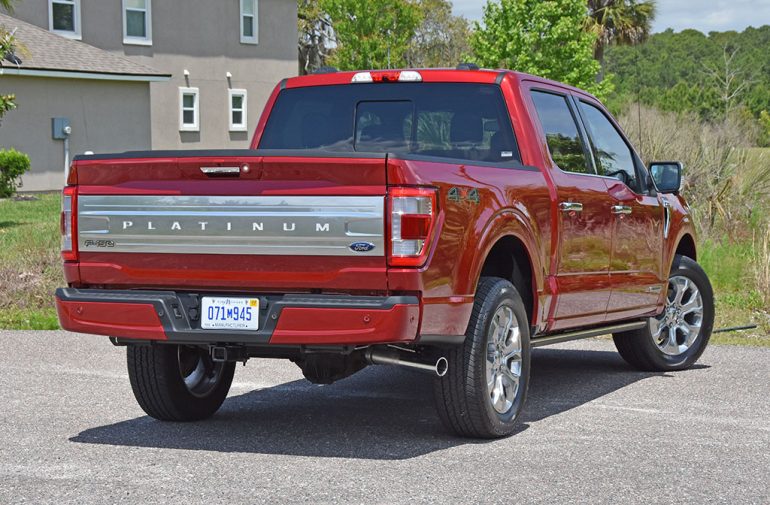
x: 667, y: 175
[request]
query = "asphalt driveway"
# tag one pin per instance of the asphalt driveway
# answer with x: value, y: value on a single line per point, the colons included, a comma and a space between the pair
x: 595, y: 431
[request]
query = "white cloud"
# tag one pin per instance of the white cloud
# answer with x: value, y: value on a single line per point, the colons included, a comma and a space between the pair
x: 703, y: 15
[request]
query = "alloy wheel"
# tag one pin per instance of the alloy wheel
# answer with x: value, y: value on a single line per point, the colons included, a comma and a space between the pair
x: 675, y: 330
x: 504, y: 361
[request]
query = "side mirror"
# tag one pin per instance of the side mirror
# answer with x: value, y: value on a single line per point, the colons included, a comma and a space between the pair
x: 667, y: 175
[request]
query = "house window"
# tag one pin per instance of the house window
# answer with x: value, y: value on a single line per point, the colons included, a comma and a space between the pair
x: 189, y: 109
x: 137, y: 22
x: 64, y: 18
x: 249, y: 21
x: 238, y: 110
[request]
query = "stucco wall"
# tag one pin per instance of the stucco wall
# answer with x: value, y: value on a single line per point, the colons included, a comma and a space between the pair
x: 203, y: 37
x: 105, y: 116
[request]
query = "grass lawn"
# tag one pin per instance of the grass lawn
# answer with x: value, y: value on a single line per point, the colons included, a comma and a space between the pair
x: 30, y: 271
x: 738, y: 301
x: 30, y: 267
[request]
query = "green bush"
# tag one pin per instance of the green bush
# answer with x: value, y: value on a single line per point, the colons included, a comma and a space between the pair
x: 12, y: 165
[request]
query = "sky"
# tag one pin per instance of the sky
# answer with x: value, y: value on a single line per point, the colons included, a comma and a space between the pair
x: 703, y: 15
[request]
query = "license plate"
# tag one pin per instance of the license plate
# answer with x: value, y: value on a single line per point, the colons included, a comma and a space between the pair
x: 229, y: 313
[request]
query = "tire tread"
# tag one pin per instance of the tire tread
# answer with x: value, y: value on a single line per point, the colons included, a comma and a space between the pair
x: 158, y: 387
x: 460, y: 406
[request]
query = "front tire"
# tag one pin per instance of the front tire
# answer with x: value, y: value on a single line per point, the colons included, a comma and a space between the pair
x: 177, y: 383
x: 675, y: 339
x: 485, y: 387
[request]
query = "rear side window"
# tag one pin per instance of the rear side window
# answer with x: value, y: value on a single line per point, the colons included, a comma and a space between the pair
x: 561, y: 133
x: 612, y: 154
x: 451, y: 120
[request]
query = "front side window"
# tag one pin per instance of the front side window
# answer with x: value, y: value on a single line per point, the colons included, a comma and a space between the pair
x: 137, y: 24
x: 189, y: 109
x: 561, y: 132
x: 249, y: 21
x: 612, y: 154
x: 238, y: 110
x: 64, y: 17
x: 461, y: 121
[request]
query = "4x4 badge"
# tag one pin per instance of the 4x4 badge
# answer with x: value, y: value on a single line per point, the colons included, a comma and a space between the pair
x: 458, y: 195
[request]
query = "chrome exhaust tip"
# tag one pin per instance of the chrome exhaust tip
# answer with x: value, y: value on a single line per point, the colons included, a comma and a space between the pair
x: 394, y: 358
x: 442, y: 366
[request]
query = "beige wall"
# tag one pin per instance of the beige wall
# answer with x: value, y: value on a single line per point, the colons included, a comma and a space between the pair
x: 106, y: 116
x: 203, y: 37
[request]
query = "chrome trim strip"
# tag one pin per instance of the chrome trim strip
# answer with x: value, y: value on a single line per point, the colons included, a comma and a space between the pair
x: 253, y: 225
x: 666, y: 218
x: 220, y: 170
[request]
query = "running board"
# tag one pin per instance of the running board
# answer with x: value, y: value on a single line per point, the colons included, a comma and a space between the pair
x: 592, y: 332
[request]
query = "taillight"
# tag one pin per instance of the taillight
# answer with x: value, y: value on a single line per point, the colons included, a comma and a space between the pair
x: 72, y: 176
x: 412, y: 216
x: 68, y: 224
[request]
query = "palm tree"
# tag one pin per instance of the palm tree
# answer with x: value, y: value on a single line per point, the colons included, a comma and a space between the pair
x: 619, y: 22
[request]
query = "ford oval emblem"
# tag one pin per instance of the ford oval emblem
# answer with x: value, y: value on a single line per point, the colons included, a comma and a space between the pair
x: 361, y: 246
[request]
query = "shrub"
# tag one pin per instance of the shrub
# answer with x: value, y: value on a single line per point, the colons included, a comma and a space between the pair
x: 12, y: 165
x: 726, y: 180
x: 762, y: 267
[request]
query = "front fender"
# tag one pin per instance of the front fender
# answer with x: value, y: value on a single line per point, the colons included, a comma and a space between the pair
x: 681, y: 226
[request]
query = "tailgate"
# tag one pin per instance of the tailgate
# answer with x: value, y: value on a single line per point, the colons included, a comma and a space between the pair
x: 235, y: 221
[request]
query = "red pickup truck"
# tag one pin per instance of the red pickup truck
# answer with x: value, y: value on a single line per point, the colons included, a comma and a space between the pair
x: 443, y: 220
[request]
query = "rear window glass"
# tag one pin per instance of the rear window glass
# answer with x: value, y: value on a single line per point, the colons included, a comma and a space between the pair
x: 452, y: 120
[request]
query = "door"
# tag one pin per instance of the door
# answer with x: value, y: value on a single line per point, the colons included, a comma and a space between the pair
x: 636, y: 273
x: 584, y: 221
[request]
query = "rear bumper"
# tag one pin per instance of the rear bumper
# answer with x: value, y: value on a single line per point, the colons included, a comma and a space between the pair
x: 283, y: 320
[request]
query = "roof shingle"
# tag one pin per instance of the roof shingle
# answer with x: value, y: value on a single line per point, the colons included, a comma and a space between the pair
x: 43, y: 50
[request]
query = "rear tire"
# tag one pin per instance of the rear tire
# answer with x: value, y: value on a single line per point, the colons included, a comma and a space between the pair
x: 485, y: 387
x: 675, y: 339
x: 177, y: 383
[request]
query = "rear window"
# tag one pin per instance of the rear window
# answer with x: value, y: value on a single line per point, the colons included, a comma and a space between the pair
x: 451, y: 120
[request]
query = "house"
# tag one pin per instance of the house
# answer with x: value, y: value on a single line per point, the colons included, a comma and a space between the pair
x: 100, y: 96
x: 194, y: 74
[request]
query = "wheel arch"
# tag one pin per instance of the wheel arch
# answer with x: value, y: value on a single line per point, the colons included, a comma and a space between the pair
x: 686, y: 247
x: 509, y: 258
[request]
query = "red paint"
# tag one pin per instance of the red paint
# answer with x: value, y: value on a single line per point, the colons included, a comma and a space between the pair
x: 346, y: 326
x: 236, y: 273
x: 587, y: 268
x: 128, y: 320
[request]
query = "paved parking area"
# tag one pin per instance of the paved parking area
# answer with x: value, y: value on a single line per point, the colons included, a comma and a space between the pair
x: 595, y: 431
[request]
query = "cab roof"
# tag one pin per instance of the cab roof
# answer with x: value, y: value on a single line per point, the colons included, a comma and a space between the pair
x: 469, y: 75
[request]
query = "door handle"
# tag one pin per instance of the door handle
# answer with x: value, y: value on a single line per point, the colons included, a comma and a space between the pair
x: 571, y: 207
x: 621, y: 209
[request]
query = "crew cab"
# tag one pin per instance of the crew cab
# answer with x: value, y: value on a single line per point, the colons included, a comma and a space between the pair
x: 447, y: 221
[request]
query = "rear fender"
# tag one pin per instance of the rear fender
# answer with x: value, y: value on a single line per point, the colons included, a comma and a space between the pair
x: 514, y: 223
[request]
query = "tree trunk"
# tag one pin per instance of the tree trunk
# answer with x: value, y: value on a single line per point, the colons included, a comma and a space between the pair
x: 599, y: 56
